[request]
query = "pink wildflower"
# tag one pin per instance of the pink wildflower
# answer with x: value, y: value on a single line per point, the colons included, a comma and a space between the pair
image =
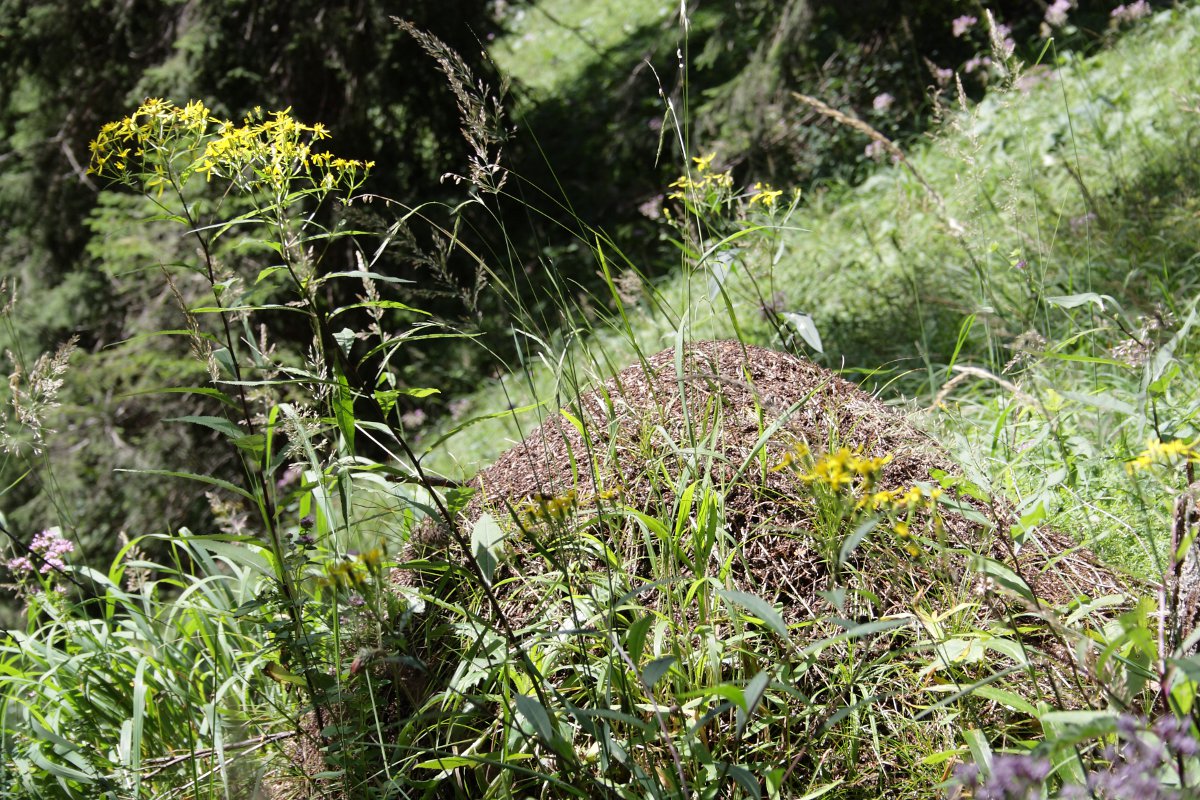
x: 962, y: 24
x: 1056, y: 14
x: 1132, y: 12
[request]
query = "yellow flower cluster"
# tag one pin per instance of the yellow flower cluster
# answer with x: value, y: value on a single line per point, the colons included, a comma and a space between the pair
x: 549, y: 508
x: 1164, y: 454
x: 765, y: 195
x: 558, y: 508
x: 162, y: 143
x: 706, y: 180
x: 906, y: 503
x: 846, y: 469
x: 851, y: 474
x: 352, y: 572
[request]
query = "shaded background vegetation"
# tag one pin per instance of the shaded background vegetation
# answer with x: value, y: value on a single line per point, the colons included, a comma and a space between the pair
x: 600, y: 142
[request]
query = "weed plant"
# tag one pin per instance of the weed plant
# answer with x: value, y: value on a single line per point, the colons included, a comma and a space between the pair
x: 366, y: 628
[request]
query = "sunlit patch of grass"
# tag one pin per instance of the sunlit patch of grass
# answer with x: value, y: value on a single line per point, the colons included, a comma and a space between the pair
x: 548, y: 44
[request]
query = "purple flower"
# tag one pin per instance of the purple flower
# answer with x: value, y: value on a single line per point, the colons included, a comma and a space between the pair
x: 1176, y: 734
x: 1014, y: 777
x: 943, y: 76
x: 962, y: 24
x: 883, y: 102
x: 977, y: 62
x: 20, y: 565
x: 1056, y: 14
x: 1002, y: 35
x: 1132, y: 12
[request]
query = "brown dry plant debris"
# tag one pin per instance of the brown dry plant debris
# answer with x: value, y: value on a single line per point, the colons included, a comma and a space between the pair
x: 703, y: 412
x: 723, y: 414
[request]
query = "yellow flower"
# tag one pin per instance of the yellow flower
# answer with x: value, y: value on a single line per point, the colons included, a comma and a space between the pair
x: 372, y: 558
x: 704, y: 163
x: 1163, y: 454
x: 765, y: 195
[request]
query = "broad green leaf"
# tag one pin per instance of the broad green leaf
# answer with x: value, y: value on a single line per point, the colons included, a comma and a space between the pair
x: 487, y: 539
x: 343, y: 410
x: 538, y: 716
x: 981, y: 751
x: 345, y: 340
x: 745, y: 779
x: 216, y: 394
x: 391, y: 304
x: 754, y: 692
x: 1082, y: 299
x: 758, y: 607
x: 218, y: 424
x: 1002, y: 575
x: 654, y: 671
x: 804, y: 325
x: 237, y: 553
x: 191, y: 476
x: 138, y: 721
x: 635, y: 637
x: 1006, y: 698
x: 281, y: 674
x: 267, y: 272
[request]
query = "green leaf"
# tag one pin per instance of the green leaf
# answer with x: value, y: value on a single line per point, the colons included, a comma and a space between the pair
x: 635, y: 637
x: 343, y: 410
x: 387, y: 397
x: 654, y: 671
x: 254, y: 444
x: 281, y: 674
x: 1082, y: 299
x: 821, y: 791
x: 1006, y: 698
x: 226, y: 485
x: 358, y: 273
x: 476, y: 420
x: 449, y: 763
x: 138, y: 721
x: 758, y: 607
x: 745, y: 779
x: 537, y: 716
x: 218, y: 424
x: 345, y: 340
x: 392, y: 304
x: 981, y: 751
x: 856, y: 632
x: 755, y: 690
x: 265, y: 273
x: 216, y: 394
x: 942, y: 756
x: 1002, y: 575
x: 486, y: 540
x: 239, y: 553
x: 855, y: 539
x: 803, y: 324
